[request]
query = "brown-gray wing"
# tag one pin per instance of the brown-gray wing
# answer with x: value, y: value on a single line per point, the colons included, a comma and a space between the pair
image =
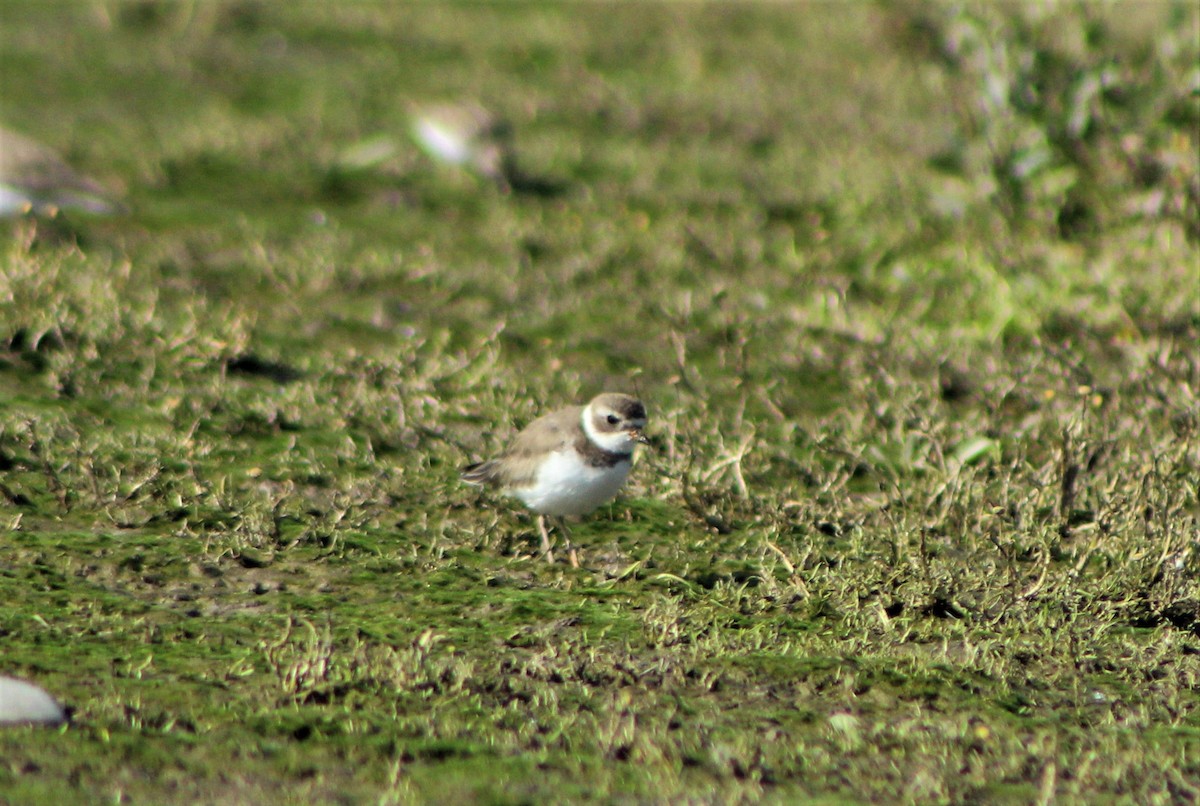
x: 551, y: 432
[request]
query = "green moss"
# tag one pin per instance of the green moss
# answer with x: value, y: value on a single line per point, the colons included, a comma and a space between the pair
x: 918, y: 522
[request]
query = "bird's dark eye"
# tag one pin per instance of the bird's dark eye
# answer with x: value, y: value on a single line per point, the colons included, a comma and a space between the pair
x: 613, y: 419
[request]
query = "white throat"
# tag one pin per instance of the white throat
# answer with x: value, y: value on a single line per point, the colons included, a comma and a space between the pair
x: 614, y: 442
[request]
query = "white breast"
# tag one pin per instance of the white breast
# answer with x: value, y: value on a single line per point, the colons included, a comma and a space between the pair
x: 443, y: 142
x: 567, y: 486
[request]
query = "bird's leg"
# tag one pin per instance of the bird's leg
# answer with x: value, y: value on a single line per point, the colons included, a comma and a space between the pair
x: 572, y: 556
x: 546, y: 552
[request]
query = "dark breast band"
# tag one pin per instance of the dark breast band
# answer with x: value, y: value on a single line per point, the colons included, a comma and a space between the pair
x: 595, y: 456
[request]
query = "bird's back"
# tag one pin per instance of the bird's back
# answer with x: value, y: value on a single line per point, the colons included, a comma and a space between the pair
x: 518, y: 465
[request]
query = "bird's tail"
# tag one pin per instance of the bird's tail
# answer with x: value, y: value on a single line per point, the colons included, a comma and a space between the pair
x: 479, y: 473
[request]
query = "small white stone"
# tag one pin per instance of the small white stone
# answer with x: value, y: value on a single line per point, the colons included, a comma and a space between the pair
x: 23, y: 703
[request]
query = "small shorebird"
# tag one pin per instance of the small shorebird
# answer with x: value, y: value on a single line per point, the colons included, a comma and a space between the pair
x: 23, y: 703
x: 568, y: 462
x: 35, y: 178
x: 468, y: 135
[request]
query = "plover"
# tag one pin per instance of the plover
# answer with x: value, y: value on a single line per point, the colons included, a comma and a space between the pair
x: 35, y: 178
x: 23, y: 703
x: 466, y: 134
x: 568, y: 462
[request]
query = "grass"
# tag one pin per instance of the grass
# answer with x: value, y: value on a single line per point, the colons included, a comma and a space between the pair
x: 912, y: 296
